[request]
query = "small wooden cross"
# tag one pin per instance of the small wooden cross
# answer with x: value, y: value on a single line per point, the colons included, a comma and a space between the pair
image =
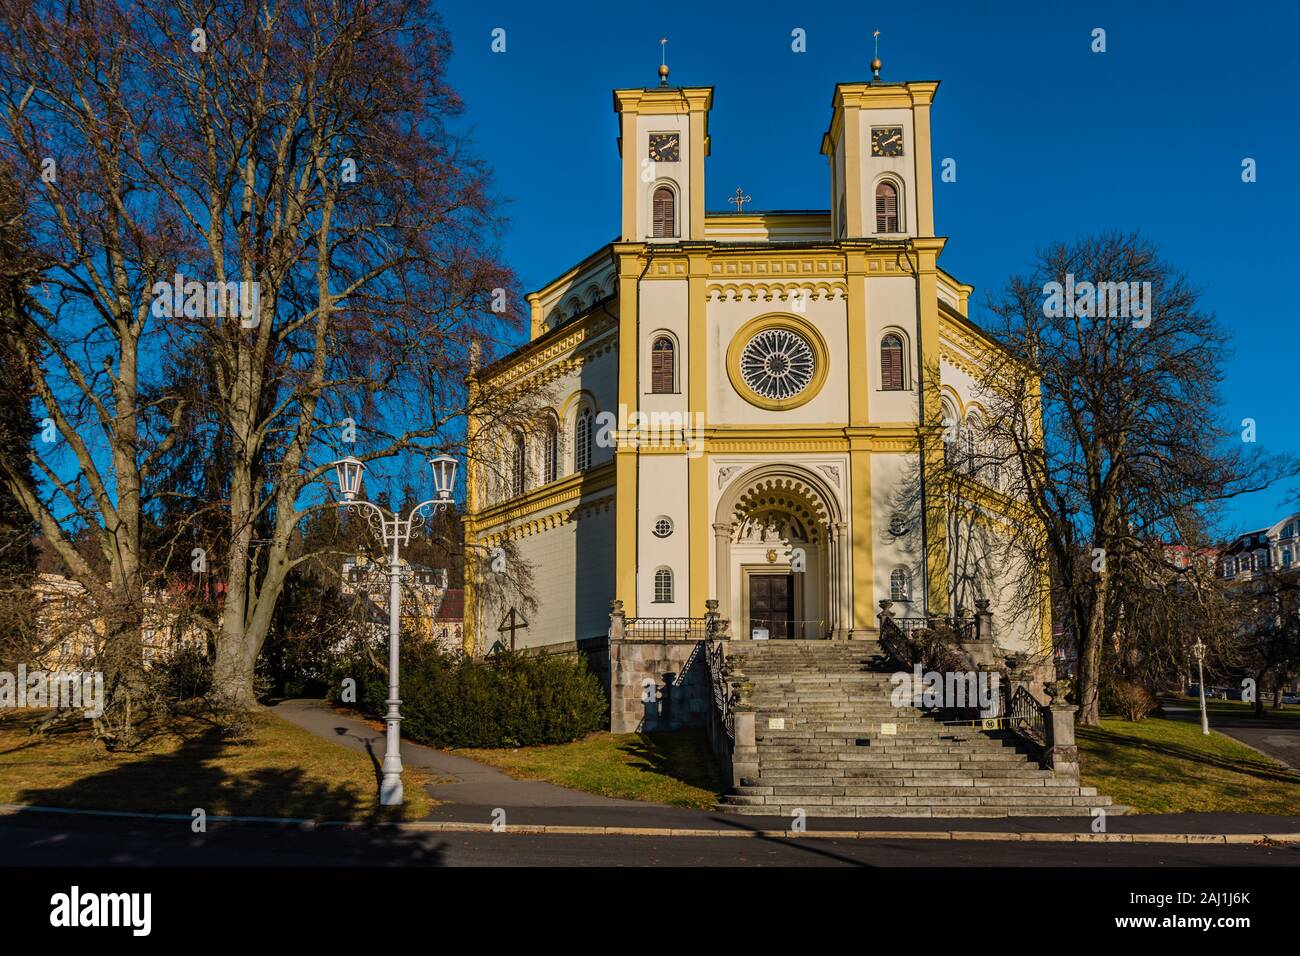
x: 514, y: 621
x: 739, y: 199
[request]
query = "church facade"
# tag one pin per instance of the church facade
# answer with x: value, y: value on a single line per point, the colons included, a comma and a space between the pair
x: 743, y: 406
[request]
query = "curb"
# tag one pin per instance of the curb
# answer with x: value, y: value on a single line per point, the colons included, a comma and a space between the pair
x: 9, y: 809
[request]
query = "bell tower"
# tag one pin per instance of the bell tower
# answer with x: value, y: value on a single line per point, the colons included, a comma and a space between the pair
x: 878, y: 146
x: 663, y: 139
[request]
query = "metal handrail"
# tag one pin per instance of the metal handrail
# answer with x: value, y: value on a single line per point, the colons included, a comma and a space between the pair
x: 1027, y: 717
x: 667, y: 628
x: 724, y: 695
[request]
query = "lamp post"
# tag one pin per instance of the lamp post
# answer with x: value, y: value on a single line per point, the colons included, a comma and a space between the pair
x: 395, y: 532
x: 1199, y: 650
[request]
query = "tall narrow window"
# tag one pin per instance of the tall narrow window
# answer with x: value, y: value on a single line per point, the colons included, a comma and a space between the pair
x: 663, y: 586
x: 891, y: 363
x: 665, y: 213
x: 887, y: 208
x: 971, y: 445
x: 661, y: 365
x: 518, y: 464
x: 582, y: 441
x: 899, y: 585
x: 550, y: 452
x: 950, y: 424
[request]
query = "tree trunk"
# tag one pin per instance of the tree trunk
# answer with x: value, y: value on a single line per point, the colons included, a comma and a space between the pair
x: 1089, y: 713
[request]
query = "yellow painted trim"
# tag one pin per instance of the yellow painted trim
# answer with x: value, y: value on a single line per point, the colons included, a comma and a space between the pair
x: 626, y: 466
x: 859, y: 347
x: 853, y: 174
x: 697, y: 470
x: 775, y: 320
x: 551, y: 495
x: 864, y: 610
x: 697, y: 122
x: 923, y: 169
x: 631, y: 176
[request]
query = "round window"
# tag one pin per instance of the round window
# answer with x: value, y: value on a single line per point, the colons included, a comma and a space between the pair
x: 777, y: 363
x: 898, y: 525
x: 663, y: 527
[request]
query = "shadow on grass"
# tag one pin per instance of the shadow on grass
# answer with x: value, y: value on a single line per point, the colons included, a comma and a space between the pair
x: 1114, y: 742
x: 682, y: 755
x: 190, y: 778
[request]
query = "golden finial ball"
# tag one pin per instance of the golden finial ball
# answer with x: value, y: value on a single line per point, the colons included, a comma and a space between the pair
x: 663, y: 71
x: 876, y: 65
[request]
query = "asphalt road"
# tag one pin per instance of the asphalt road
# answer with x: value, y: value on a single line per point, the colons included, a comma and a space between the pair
x: 39, y: 840
x: 1278, y: 737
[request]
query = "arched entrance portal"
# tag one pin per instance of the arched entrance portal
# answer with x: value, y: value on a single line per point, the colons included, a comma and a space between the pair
x: 781, y: 556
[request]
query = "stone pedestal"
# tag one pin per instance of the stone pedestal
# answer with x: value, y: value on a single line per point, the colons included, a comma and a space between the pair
x: 1062, y: 753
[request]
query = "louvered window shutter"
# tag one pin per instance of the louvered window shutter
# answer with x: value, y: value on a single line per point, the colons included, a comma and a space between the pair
x: 891, y: 363
x: 664, y: 213
x: 661, y: 366
x: 886, y: 208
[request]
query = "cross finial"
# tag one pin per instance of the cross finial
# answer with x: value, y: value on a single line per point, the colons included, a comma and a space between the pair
x: 739, y: 199
x: 875, y: 62
x: 663, y: 61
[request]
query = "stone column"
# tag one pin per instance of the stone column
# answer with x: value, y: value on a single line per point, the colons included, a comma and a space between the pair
x: 832, y: 574
x: 843, y: 569
x: 617, y: 681
x: 744, y: 755
x: 722, y: 560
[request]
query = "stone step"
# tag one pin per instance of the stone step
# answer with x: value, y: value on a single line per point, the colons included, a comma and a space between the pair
x: 789, y: 810
x: 801, y: 790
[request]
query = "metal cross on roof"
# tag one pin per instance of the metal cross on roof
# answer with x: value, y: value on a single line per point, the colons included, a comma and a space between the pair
x: 739, y: 199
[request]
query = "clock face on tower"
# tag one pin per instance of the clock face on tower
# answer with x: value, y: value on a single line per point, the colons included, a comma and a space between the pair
x: 665, y: 147
x: 886, y: 141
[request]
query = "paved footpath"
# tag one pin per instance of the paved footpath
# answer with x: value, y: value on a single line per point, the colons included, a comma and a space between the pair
x: 473, y: 792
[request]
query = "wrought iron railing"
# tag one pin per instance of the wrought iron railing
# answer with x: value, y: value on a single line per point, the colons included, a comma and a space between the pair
x: 724, y: 695
x: 666, y: 629
x: 1027, y: 717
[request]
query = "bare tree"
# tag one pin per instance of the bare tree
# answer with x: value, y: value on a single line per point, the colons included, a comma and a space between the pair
x: 278, y: 188
x: 1107, y: 346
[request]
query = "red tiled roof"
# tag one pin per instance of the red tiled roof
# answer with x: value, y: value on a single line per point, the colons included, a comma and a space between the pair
x: 453, y: 605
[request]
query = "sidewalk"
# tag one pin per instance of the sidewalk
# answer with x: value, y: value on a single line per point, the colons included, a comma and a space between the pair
x: 475, y: 791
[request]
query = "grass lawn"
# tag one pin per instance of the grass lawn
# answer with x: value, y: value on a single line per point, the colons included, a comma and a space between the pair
x: 1168, y: 766
x: 283, y: 771
x: 675, y: 768
x: 1236, y: 708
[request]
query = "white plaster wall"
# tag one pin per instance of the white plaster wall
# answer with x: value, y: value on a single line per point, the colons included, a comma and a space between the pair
x: 892, y: 476
x: 726, y: 406
x: 902, y: 168
x: 662, y: 490
x: 677, y: 172
x: 891, y: 304
x: 664, y: 307
x: 572, y: 580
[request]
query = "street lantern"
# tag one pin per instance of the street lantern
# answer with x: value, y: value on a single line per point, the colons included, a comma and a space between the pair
x: 395, y: 532
x: 444, y: 475
x: 349, y: 472
x: 1198, y: 650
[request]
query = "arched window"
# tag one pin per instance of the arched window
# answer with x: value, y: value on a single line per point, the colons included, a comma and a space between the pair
x: 900, y: 585
x: 550, y: 451
x: 582, y: 441
x: 663, y: 586
x: 662, y: 371
x: 891, y: 363
x: 951, y: 428
x: 971, y: 445
x: 518, y: 464
x: 664, y: 213
x: 887, y: 208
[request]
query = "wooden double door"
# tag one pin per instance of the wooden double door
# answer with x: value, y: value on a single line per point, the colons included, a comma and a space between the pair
x: 771, y: 606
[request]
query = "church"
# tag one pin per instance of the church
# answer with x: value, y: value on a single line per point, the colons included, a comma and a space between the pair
x: 743, y: 407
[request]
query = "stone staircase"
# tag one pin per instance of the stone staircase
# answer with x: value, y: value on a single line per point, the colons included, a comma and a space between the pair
x: 831, y: 759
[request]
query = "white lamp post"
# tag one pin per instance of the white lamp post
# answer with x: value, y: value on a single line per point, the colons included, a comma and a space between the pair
x: 395, y: 532
x: 1199, y: 650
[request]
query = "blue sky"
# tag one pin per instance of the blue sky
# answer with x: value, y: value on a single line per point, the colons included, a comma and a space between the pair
x: 1051, y: 140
